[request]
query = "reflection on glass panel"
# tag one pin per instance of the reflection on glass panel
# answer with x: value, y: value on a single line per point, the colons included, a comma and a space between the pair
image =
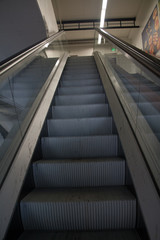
x: 17, y: 93
x: 139, y: 92
x: 20, y: 89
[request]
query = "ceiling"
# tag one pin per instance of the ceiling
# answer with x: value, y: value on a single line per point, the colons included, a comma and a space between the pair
x: 66, y: 10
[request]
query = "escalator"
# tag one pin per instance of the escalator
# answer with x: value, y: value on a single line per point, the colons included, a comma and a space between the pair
x: 80, y: 182
x: 86, y: 165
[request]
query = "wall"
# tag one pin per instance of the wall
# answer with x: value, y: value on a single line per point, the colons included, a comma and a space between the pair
x: 142, y: 18
x: 48, y: 15
x: 81, y: 50
x: 21, y: 26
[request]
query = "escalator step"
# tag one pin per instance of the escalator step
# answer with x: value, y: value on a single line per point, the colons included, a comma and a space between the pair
x: 82, y: 67
x: 80, y: 71
x: 80, y: 111
x: 79, y: 147
x: 80, y: 90
x: 79, y: 82
x: 80, y: 77
x: 79, y: 209
x: 79, y: 173
x: 79, y: 127
x: 77, y: 63
x: 80, y: 99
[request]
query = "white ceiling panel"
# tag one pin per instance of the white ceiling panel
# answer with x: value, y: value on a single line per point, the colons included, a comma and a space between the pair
x: 77, y: 9
x: 123, y: 8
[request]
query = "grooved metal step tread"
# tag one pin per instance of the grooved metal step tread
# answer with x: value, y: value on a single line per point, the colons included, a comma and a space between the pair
x: 80, y: 90
x: 89, y: 74
x: 79, y: 209
x: 80, y: 71
x: 79, y: 77
x: 80, y: 111
x: 116, y: 193
x: 80, y: 61
x: 79, y: 127
x: 80, y: 99
x: 73, y: 59
x: 79, y: 173
x: 81, y: 64
x: 80, y: 58
x: 80, y: 67
x: 80, y: 147
x: 80, y: 82
x: 101, y: 235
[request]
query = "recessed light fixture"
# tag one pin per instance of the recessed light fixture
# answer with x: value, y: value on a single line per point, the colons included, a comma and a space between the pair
x: 46, y: 45
x: 102, y: 19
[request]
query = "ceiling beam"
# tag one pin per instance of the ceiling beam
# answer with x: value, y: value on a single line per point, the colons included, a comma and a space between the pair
x: 91, y: 24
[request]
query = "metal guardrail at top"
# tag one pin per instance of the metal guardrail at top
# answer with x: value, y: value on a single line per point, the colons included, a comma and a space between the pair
x: 150, y: 62
x: 13, y: 62
x: 91, y: 24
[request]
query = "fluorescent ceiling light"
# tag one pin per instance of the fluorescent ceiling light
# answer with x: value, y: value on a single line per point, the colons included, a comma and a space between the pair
x: 103, y: 13
x: 46, y: 45
x: 99, y: 39
x: 102, y: 19
x: 104, y: 4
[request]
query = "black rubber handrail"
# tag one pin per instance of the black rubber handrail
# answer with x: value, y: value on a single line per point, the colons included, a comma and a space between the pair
x: 15, y: 60
x: 150, y: 62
